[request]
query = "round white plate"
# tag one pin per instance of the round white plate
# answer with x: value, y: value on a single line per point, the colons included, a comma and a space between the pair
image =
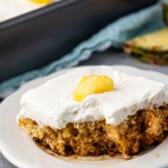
x: 20, y: 150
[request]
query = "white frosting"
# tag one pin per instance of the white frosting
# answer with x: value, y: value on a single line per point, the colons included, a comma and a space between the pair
x: 13, y: 8
x: 52, y: 104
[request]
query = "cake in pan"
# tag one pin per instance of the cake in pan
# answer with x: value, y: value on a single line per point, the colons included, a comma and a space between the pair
x: 12, y: 8
x: 95, y: 111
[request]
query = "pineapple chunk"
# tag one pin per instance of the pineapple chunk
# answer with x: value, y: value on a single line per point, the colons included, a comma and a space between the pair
x: 42, y: 2
x: 92, y: 84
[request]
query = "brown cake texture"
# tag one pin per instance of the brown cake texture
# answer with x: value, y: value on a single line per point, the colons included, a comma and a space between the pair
x: 137, y: 133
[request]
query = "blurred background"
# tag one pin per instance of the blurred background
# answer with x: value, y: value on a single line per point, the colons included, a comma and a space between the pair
x: 32, y: 40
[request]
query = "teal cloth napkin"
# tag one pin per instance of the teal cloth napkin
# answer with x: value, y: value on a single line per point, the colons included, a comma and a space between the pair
x: 141, y: 22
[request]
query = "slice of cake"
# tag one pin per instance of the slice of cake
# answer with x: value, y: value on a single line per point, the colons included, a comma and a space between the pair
x: 96, y: 111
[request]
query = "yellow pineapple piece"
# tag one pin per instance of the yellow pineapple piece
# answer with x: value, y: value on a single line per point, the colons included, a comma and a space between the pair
x: 92, y: 84
x: 42, y: 2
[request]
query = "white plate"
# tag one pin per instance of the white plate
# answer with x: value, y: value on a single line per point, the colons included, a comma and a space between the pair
x: 20, y: 150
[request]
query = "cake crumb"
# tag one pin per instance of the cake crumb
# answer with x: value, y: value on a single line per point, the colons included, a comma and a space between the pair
x: 157, y: 155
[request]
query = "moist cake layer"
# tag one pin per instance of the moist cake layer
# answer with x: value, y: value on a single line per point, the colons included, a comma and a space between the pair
x: 138, y: 132
x: 52, y: 104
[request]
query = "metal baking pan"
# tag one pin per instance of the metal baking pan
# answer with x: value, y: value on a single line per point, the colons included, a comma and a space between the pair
x: 37, y: 38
